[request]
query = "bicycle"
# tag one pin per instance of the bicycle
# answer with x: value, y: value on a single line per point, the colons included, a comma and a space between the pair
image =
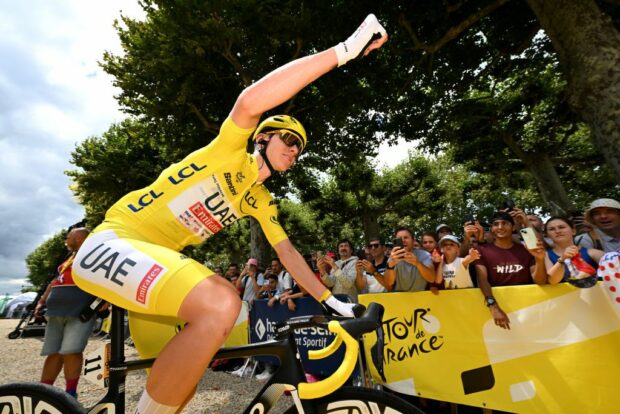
x: 325, y: 396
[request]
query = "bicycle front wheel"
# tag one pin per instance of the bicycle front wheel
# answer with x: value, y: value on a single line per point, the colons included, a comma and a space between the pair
x: 363, y: 401
x: 31, y: 397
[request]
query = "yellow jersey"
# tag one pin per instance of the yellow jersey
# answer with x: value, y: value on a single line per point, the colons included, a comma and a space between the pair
x: 197, y: 197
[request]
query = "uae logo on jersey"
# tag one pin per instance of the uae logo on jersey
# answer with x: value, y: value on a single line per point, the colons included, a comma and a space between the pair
x: 203, y: 209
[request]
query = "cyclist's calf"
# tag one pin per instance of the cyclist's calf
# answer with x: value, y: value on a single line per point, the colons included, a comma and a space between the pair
x: 211, y: 309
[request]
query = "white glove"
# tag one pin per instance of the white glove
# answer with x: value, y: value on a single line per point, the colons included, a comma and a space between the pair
x: 345, y: 309
x: 357, y: 43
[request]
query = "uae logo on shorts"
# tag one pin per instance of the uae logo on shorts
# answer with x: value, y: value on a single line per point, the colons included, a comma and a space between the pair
x: 146, y: 282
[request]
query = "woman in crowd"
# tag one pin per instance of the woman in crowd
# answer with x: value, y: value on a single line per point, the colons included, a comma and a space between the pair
x: 561, y: 231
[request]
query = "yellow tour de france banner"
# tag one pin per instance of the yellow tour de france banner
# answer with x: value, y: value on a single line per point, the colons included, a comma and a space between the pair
x: 561, y: 355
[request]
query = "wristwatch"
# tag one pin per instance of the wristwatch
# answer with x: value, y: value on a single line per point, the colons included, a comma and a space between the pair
x: 490, y: 301
x: 390, y: 267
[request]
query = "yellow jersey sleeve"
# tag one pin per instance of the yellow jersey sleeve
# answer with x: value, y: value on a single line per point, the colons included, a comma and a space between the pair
x: 263, y: 208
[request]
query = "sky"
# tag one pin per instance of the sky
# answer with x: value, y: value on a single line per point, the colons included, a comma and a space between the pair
x: 53, y: 95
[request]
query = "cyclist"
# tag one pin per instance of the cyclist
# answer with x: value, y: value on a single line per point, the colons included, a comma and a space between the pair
x: 132, y: 259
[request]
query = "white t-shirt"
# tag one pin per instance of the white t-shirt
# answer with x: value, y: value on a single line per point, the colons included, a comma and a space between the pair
x: 249, y: 294
x: 285, y: 281
x: 456, y: 276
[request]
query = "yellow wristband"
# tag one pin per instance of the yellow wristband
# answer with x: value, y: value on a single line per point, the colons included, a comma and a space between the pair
x: 325, y: 295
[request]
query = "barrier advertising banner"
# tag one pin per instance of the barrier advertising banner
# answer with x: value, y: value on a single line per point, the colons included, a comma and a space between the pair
x: 561, y: 355
x: 263, y: 319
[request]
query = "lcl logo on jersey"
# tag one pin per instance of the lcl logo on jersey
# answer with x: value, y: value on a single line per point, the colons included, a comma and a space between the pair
x: 247, y: 201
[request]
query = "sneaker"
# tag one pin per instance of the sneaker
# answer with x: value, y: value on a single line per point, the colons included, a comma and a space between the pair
x: 264, y: 376
x: 238, y: 372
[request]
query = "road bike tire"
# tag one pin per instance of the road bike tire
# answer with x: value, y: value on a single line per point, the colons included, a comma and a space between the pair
x: 363, y: 401
x: 29, y: 397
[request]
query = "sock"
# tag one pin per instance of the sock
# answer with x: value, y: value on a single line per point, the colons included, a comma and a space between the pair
x: 48, y: 381
x: 147, y: 405
x: 72, y: 386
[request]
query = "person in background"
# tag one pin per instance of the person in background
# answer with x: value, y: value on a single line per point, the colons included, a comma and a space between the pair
x: 250, y: 281
x: 453, y: 271
x: 429, y: 242
x: 285, y: 280
x: 443, y: 230
x: 561, y: 232
x: 269, y: 289
x: 604, y: 214
x: 66, y: 335
x: 369, y: 273
x: 232, y: 273
x: 341, y: 277
x: 408, y: 269
x: 506, y: 263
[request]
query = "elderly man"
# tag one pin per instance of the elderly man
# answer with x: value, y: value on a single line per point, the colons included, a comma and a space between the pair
x: 603, y: 213
x: 341, y: 277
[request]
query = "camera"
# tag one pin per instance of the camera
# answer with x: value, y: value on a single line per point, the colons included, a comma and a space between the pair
x: 398, y: 242
x: 470, y: 219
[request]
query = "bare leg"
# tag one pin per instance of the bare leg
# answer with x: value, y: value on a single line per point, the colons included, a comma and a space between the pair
x: 51, y: 368
x: 211, y: 309
x: 73, y: 365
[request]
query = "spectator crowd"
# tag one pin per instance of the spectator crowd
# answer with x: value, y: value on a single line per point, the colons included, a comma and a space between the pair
x: 560, y: 249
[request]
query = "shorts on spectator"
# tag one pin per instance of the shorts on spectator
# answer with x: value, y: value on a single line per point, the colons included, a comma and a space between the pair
x: 66, y: 335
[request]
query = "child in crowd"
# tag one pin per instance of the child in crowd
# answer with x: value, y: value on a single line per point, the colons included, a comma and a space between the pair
x: 270, y: 289
x: 453, y: 271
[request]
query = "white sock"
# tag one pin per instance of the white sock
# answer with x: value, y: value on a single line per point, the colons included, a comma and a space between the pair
x: 147, y: 405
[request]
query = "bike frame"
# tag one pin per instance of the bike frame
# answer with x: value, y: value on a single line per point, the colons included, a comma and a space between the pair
x: 283, y: 379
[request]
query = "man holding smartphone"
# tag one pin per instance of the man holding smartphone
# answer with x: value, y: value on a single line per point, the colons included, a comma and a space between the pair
x: 408, y: 269
x: 506, y: 263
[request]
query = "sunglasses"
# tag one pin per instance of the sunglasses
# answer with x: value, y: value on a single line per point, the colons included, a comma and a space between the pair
x: 290, y: 138
x: 374, y: 245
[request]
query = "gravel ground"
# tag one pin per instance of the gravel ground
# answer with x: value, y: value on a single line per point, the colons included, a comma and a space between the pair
x: 218, y: 392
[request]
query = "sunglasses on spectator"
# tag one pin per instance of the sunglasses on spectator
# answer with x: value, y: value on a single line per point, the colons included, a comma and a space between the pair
x: 374, y: 245
x: 289, y: 138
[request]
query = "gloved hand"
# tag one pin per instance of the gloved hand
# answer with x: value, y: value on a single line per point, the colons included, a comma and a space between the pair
x: 358, y: 42
x: 337, y: 307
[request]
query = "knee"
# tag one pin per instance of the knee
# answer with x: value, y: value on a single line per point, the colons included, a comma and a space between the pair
x: 215, y: 308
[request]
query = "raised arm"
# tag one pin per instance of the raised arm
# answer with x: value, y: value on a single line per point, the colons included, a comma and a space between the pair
x: 285, y: 82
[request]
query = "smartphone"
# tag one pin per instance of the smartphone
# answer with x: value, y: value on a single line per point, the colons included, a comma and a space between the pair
x: 528, y: 235
x: 398, y: 242
x: 507, y: 205
x: 470, y: 219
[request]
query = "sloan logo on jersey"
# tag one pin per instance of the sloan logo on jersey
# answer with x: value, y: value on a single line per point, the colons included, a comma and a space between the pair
x: 203, y: 208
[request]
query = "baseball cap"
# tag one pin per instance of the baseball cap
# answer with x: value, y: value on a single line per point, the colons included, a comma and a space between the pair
x: 601, y: 202
x: 449, y: 237
x: 252, y: 262
x: 441, y: 226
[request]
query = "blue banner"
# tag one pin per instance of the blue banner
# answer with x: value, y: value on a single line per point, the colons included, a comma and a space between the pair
x: 262, y: 323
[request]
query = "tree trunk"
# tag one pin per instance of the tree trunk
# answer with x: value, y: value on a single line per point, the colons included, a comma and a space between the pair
x: 547, y: 178
x: 259, y: 246
x: 549, y: 184
x: 371, y: 226
x: 587, y: 44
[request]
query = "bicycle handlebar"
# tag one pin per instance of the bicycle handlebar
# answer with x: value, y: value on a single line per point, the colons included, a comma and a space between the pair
x: 347, y: 331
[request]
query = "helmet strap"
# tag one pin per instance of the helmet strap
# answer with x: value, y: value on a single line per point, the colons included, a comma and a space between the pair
x: 263, y: 152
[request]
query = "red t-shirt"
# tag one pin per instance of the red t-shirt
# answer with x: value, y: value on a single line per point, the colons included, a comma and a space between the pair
x: 506, y: 267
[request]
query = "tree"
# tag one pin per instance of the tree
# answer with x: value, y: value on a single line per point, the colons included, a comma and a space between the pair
x: 586, y: 41
x: 43, y: 261
x: 123, y: 159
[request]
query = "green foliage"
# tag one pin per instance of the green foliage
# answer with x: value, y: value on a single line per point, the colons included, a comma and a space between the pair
x: 123, y: 159
x: 42, y: 263
x: 485, y: 98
